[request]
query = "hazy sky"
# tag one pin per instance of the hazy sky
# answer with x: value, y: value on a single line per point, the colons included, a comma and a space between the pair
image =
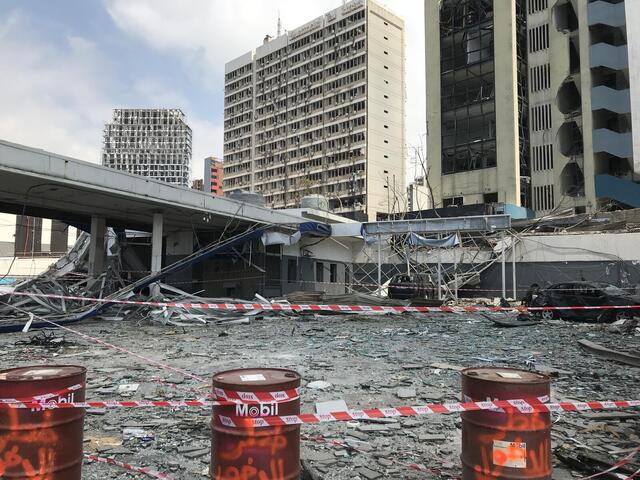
x: 65, y: 64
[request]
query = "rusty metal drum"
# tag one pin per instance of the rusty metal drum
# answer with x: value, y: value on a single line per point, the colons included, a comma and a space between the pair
x: 42, y: 442
x: 505, y: 444
x: 265, y: 452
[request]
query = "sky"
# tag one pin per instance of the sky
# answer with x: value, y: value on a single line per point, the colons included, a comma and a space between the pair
x: 66, y: 64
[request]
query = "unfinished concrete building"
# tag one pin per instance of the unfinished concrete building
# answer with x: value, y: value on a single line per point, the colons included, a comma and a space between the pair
x: 530, y: 104
x: 320, y: 110
x: 152, y: 142
x: 584, y: 68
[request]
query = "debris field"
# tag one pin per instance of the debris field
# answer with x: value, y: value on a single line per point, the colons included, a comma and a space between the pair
x: 361, y: 361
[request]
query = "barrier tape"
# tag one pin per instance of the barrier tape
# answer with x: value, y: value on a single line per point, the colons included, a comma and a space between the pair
x: 44, y: 397
x: 522, y: 406
x: 127, y: 466
x: 148, y: 360
x: 293, y: 307
x: 620, y: 463
x: 234, y: 396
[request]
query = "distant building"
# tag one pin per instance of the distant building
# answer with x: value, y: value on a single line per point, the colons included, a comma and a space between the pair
x: 321, y: 110
x: 418, y: 196
x: 154, y: 143
x: 534, y: 103
x: 213, y: 176
x: 197, y: 184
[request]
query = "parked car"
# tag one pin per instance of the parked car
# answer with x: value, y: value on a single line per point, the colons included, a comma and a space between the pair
x: 404, y: 287
x: 592, y: 294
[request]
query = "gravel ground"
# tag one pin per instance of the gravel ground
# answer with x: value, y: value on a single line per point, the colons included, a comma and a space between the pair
x: 370, y: 361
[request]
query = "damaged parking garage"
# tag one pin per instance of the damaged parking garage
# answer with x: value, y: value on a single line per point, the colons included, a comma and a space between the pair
x: 291, y: 332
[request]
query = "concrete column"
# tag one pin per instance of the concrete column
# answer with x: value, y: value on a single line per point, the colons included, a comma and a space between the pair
x: 156, y: 243
x: 96, y: 247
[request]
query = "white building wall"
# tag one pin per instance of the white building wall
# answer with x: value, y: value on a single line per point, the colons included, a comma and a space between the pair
x: 320, y: 110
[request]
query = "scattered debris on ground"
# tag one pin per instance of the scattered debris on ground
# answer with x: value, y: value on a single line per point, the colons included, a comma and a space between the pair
x: 358, y: 360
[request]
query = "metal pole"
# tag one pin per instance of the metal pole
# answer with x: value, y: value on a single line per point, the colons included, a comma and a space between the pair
x: 504, y: 284
x: 379, y: 265
x: 407, y: 253
x: 439, y: 273
x: 455, y: 273
x: 513, y: 267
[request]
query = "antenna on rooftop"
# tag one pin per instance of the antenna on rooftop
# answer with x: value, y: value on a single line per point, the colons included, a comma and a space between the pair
x: 279, y: 24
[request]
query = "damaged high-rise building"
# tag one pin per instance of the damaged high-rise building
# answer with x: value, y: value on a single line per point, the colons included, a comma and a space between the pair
x: 154, y: 143
x: 531, y: 103
x: 320, y: 110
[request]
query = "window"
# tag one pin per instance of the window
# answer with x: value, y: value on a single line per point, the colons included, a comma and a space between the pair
x: 542, y: 157
x: 452, y: 202
x: 333, y: 272
x: 541, y: 117
x: 292, y: 271
x: 319, y: 272
x: 540, y: 77
x: 490, y: 197
x: 543, y: 198
x: 537, y: 5
x: 539, y: 38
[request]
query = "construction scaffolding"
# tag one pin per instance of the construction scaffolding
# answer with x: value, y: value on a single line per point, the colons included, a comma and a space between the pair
x: 450, y: 252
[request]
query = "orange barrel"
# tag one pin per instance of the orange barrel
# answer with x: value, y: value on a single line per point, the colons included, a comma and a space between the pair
x: 265, y: 452
x: 42, y: 443
x: 505, y: 444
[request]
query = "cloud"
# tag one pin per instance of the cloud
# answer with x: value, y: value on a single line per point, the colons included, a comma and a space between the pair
x: 209, y: 33
x: 51, y: 95
x: 58, y: 95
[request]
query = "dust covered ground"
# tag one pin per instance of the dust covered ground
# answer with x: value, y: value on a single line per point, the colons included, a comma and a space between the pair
x: 369, y: 361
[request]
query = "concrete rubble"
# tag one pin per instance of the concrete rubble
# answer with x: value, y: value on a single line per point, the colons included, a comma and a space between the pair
x: 368, y: 361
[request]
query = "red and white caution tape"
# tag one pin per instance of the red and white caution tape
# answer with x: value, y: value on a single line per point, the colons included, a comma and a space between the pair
x: 286, y: 307
x: 148, y: 360
x: 44, y: 397
x: 127, y: 466
x: 264, y: 397
x: 620, y: 463
x: 522, y: 406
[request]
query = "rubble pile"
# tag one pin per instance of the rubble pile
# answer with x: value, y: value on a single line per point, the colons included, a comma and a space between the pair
x: 360, y: 361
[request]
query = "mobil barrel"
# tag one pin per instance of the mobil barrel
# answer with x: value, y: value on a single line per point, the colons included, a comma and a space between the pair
x: 42, y: 442
x: 505, y: 443
x: 242, y: 451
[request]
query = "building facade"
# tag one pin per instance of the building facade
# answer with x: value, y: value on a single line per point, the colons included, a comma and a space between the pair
x: 477, y: 101
x: 584, y: 66
x: 213, y: 176
x: 320, y: 110
x: 154, y: 143
x: 530, y: 103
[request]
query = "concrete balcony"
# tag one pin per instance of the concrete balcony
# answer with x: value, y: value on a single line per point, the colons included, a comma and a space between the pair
x: 605, y: 13
x: 614, y: 143
x: 605, y: 55
x: 605, y: 98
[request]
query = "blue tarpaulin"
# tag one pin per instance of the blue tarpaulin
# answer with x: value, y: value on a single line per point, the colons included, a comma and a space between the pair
x: 316, y: 229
